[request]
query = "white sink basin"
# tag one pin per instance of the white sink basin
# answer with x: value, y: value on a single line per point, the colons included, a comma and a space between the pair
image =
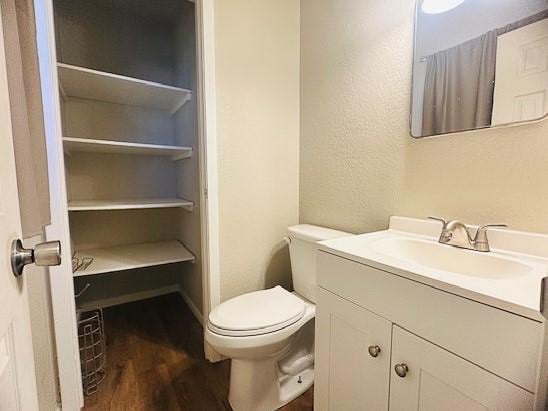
x: 508, y: 277
x: 437, y: 256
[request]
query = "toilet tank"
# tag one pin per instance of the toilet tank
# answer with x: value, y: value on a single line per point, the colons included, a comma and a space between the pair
x: 302, y: 251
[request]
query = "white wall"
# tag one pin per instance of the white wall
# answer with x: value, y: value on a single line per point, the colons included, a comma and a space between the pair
x: 358, y: 163
x: 257, y: 65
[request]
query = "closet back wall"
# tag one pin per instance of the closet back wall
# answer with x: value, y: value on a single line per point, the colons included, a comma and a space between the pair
x: 141, y: 40
x: 358, y: 163
x: 117, y: 46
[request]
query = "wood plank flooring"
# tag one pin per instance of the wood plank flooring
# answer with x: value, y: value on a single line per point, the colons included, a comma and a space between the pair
x: 155, y: 361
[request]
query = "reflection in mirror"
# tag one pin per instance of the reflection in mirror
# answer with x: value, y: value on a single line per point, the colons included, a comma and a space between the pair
x: 478, y: 64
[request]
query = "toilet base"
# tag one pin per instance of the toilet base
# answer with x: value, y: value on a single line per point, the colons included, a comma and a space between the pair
x: 270, y: 383
x: 262, y: 386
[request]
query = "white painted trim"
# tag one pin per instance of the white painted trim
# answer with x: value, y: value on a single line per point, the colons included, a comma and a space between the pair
x: 191, y: 305
x: 210, y: 353
x: 62, y: 287
x: 207, y: 126
x: 129, y: 298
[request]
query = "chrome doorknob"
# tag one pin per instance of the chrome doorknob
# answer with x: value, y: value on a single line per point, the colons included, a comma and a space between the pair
x: 44, y: 254
x: 374, y: 350
x: 401, y: 370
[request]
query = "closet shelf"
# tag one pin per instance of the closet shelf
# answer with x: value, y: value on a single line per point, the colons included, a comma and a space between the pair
x: 97, y: 205
x: 90, y: 145
x: 128, y: 257
x: 91, y: 84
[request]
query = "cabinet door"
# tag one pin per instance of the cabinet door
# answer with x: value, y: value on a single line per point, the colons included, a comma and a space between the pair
x: 439, y: 380
x: 347, y: 376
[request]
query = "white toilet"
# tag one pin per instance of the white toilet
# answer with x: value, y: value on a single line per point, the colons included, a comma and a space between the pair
x: 269, y: 334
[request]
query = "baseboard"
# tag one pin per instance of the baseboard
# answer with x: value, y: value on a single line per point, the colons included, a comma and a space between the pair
x: 197, y: 313
x: 128, y: 298
x: 210, y: 354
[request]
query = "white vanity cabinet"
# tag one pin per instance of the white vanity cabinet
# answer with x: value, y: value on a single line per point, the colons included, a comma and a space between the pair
x: 451, y: 353
x: 352, y: 356
x: 433, y: 379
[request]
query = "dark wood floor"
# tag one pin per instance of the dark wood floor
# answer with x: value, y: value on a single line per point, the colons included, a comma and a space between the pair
x: 156, y: 362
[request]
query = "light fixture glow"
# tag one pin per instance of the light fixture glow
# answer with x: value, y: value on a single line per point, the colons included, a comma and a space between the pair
x: 439, y: 6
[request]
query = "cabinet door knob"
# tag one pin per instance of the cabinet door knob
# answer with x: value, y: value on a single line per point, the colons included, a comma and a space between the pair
x: 374, y: 350
x: 401, y: 370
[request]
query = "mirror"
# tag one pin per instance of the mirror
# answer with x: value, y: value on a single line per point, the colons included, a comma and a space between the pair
x: 478, y: 64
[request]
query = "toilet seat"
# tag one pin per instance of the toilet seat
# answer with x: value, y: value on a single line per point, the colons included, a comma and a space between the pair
x: 256, y: 313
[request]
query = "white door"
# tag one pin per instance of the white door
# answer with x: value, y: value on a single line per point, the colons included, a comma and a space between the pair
x: 352, y: 359
x: 17, y: 376
x: 432, y: 379
x: 522, y: 74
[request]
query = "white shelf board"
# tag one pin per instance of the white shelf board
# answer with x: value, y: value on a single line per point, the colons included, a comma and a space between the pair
x: 91, y: 84
x: 90, y: 145
x: 85, y: 303
x: 97, y: 205
x: 128, y: 257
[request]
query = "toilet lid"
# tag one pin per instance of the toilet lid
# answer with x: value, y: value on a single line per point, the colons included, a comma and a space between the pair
x: 256, y: 313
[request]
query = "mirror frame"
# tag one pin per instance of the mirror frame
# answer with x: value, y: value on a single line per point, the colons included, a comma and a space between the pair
x: 479, y: 129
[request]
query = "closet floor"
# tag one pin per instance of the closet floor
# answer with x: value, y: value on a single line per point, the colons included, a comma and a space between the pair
x: 155, y: 361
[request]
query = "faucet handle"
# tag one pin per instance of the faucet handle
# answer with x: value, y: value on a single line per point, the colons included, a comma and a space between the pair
x: 441, y: 220
x: 483, y: 228
x: 481, y: 241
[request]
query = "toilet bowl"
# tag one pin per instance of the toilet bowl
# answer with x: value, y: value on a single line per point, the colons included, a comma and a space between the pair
x: 269, y: 334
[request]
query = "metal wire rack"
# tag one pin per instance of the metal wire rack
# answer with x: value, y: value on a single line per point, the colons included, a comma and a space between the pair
x: 93, y: 356
x: 80, y: 264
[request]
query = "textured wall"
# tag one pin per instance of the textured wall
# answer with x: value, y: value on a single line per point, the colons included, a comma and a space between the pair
x: 358, y: 163
x: 257, y: 65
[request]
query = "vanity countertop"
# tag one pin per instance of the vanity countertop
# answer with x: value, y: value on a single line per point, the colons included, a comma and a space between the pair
x: 509, y: 277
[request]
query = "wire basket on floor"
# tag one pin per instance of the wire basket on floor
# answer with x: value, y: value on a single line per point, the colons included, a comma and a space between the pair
x: 93, y: 356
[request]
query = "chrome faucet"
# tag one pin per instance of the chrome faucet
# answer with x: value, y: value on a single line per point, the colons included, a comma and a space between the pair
x: 455, y: 233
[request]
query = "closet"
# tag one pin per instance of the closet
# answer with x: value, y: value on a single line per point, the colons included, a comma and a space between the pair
x: 127, y: 82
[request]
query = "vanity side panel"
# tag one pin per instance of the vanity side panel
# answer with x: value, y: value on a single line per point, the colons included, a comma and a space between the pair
x: 542, y: 378
x: 503, y: 343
